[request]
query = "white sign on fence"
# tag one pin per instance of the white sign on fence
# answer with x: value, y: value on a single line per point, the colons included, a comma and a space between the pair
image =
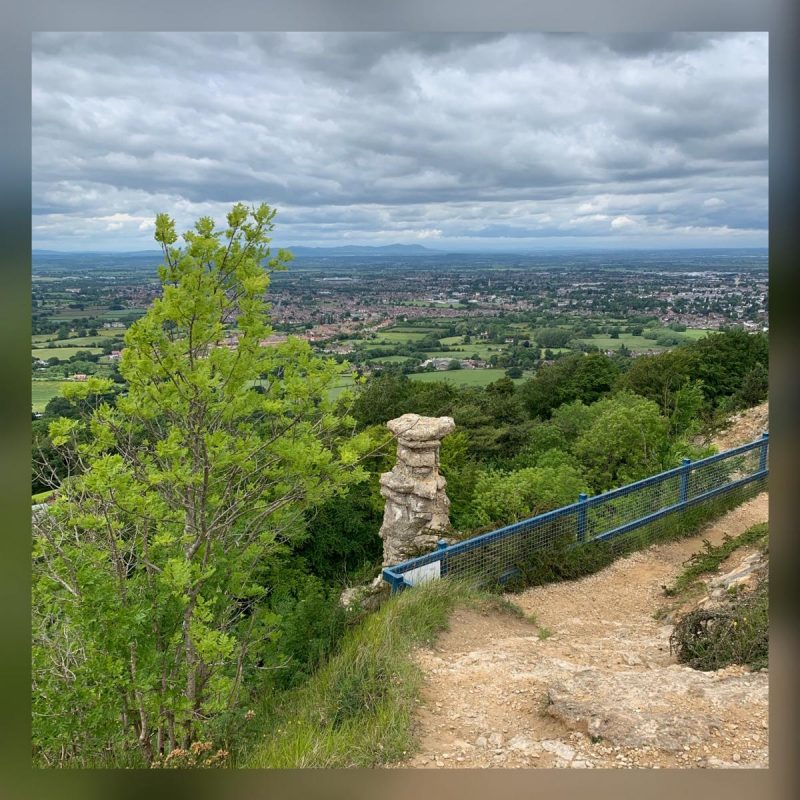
x: 427, y: 572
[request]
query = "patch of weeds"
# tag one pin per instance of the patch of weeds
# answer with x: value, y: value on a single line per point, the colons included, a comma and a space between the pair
x: 544, y: 633
x: 710, y: 639
x: 509, y: 606
x: 709, y: 559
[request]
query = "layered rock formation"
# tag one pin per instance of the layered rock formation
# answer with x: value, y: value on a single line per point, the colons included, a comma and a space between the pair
x: 417, y: 509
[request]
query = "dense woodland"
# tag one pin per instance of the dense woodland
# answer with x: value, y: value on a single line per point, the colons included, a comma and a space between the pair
x: 193, y: 560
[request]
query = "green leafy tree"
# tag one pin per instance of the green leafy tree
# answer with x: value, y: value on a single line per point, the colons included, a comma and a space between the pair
x: 150, y: 604
x: 504, y: 498
x: 627, y: 439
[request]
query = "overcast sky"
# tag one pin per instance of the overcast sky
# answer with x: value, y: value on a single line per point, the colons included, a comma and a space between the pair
x: 460, y: 141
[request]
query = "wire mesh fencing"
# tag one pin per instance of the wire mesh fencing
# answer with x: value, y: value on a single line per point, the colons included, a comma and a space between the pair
x: 620, y: 520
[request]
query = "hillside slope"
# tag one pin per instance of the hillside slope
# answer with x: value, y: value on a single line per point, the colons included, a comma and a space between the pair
x: 742, y: 427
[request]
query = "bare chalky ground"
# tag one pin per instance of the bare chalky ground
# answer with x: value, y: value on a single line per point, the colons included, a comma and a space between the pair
x: 602, y: 690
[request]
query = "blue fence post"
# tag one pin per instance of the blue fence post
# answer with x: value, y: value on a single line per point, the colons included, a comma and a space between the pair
x: 395, y: 581
x: 762, y: 459
x: 442, y: 545
x: 581, y: 517
x: 684, y: 490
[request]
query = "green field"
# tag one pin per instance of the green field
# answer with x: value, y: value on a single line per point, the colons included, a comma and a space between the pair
x: 404, y: 329
x: 483, y: 351
x: 639, y: 343
x: 463, y: 377
x: 81, y: 341
x: 43, y: 391
x: 634, y: 343
x: 345, y: 382
x: 395, y: 337
x: 62, y: 353
x: 696, y: 333
x: 391, y: 360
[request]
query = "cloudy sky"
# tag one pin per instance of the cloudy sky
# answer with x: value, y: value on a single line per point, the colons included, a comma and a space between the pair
x: 459, y: 141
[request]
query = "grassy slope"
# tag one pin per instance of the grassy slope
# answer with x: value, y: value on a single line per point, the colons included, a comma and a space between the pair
x: 357, y: 710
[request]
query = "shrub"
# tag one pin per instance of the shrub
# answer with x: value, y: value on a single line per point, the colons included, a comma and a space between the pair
x: 713, y: 638
x: 503, y: 498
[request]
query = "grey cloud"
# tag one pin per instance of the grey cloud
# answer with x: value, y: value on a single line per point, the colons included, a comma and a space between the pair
x: 366, y: 134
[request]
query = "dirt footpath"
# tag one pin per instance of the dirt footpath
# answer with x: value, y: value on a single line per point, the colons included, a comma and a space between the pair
x: 592, y: 683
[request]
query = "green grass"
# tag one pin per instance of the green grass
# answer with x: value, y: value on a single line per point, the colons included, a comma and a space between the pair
x: 43, y: 391
x: 640, y: 343
x: 462, y: 377
x: 61, y: 353
x: 356, y: 711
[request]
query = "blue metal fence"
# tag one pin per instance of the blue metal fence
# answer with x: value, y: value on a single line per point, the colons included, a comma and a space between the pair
x: 495, y: 556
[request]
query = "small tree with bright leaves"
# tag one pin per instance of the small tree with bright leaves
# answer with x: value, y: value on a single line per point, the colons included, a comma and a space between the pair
x: 148, y: 611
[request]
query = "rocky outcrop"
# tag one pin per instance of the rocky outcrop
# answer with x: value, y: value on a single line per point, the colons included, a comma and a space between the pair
x: 748, y: 574
x: 417, y: 508
x: 625, y: 708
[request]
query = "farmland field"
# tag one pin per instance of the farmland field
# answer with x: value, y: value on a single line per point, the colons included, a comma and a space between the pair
x: 43, y: 391
x: 395, y: 337
x: 634, y: 343
x: 344, y: 382
x: 82, y: 341
x: 391, y: 360
x: 483, y: 351
x: 62, y: 353
x: 696, y: 333
x: 463, y: 377
x: 403, y: 329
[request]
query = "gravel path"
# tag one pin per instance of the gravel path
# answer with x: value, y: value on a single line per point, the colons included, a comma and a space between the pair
x: 592, y: 684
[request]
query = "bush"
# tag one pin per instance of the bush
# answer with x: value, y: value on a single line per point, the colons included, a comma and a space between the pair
x: 504, y: 498
x: 710, y: 639
x: 310, y: 629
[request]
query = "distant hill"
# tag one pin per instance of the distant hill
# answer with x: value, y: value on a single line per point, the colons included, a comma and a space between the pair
x: 366, y: 250
x: 416, y: 256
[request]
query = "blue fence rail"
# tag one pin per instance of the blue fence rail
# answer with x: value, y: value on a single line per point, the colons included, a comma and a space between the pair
x: 495, y: 556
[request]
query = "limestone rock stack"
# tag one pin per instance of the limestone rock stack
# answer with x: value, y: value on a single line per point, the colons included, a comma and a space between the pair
x: 417, y: 508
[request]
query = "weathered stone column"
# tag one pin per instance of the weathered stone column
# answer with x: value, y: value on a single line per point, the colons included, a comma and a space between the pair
x: 417, y: 509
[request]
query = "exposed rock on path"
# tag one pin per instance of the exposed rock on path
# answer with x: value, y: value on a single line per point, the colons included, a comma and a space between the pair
x: 592, y: 683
